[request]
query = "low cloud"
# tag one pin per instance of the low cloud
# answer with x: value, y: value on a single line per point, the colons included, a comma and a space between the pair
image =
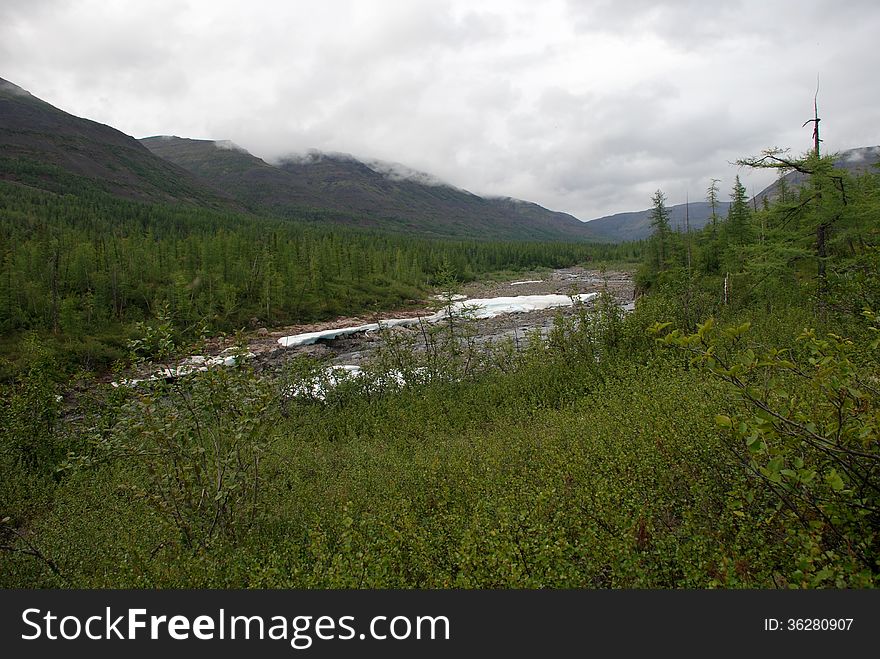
x: 229, y: 145
x: 396, y: 171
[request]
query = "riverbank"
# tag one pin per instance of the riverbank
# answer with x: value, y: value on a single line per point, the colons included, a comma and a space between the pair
x: 266, y: 350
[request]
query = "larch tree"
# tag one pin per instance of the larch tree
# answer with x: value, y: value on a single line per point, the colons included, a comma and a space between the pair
x: 819, y: 206
x: 712, y: 198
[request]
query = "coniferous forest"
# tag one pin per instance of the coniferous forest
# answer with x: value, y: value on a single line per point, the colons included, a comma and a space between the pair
x: 80, y: 270
x: 726, y: 433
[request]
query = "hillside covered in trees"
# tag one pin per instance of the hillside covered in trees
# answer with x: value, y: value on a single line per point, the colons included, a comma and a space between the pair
x: 46, y: 148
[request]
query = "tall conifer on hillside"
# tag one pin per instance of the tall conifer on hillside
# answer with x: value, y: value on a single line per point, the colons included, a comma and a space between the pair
x: 660, y: 224
x: 738, y: 215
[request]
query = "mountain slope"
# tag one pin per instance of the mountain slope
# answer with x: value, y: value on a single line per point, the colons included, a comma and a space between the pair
x: 45, y: 147
x: 252, y: 181
x: 636, y: 225
x: 855, y: 161
x: 344, y: 189
x: 371, y: 190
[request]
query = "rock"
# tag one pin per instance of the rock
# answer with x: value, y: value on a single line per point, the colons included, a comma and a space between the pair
x: 262, y: 331
x: 316, y: 350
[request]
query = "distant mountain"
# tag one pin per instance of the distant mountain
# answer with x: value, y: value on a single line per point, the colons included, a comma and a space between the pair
x: 855, y: 161
x: 637, y: 225
x: 376, y: 194
x: 45, y: 147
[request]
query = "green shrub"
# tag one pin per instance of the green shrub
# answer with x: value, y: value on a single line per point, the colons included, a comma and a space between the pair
x: 806, y: 430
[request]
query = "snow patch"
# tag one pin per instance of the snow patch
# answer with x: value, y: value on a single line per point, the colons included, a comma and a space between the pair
x: 330, y: 377
x: 497, y: 306
x: 318, y: 386
x: 308, y: 338
x: 188, y: 366
x: 477, y: 308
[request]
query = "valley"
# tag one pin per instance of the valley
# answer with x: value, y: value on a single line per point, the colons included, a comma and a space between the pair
x: 719, y: 431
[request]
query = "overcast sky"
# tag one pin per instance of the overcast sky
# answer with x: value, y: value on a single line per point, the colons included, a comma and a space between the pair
x: 585, y: 107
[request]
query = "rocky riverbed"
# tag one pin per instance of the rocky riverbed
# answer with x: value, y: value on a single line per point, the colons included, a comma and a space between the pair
x: 266, y: 352
x: 354, y: 349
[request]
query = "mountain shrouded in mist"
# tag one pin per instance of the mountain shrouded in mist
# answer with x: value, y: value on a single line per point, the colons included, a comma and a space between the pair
x: 373, y: 193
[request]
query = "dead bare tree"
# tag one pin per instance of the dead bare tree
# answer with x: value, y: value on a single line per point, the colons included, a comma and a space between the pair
x: 817, y: 170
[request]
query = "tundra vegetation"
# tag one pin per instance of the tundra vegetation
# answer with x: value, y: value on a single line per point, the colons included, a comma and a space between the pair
x: 723, y: 434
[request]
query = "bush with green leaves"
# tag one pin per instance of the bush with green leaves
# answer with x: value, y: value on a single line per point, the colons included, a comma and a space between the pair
x: 202, y: 440
x: 805, y: 424
x: 31, y: 436
x: 444, y: 350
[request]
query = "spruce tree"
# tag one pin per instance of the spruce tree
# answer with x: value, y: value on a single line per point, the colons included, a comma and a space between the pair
x: 660, y: 224
x: 738, y: 215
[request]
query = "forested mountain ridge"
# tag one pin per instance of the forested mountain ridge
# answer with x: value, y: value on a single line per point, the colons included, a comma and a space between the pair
x: 50, y: 149
x: 373, y: 194
x: 47, y: 148
x: 358, y: 185
x: 232, y: 168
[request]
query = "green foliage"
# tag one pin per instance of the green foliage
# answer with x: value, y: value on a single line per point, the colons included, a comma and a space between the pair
x: 807, y: 429
x: 660, y: 225
x: 87, y: 269
x: 738, y: 228
x: 201, y: 442
x: 30, y: 433
x: 712, y: 198
x: 153, y: 341
x: 589, y: 337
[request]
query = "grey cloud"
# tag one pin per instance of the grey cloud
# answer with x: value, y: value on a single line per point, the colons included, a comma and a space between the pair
x: 684, y: 21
